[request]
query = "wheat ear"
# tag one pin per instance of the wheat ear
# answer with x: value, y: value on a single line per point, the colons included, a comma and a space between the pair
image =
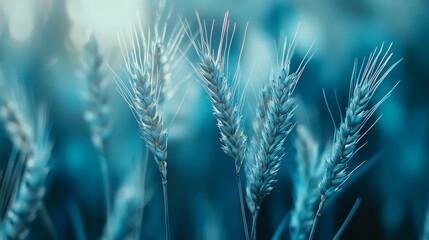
x: 305, y: 180
x: 364, y: 83
x: 214, y: 78
x: 277, y: 124
x: 97, y: 114
x: 125, y: 219
x: 168, y: 57
x: 32, y: 187
x: 143, y: 101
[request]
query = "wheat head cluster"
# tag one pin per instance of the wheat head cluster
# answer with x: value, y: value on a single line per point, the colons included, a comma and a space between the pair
x: 152, y: 68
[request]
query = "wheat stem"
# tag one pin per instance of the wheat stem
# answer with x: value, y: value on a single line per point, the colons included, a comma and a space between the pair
x: 166, y: 214
x: 317, y: 217
x: 105, y: 182
x: 348, y: 219
x: 254, y: 221
x: 425, y: 235
x: 243, y: 211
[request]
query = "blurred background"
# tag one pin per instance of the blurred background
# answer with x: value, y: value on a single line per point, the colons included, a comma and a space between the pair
x: 41, y: 45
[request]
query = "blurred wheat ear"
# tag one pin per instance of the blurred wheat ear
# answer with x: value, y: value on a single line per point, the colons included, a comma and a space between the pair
x: 364, y: 83
x: 309, y: 171
x: 28, y: 133
x: 274, y: 122
x: 168, y: 56
x: 16, y: 116
x: 32, y: 187
x: 97, y: 114
x: 125, y: 219
x: 215, y: 80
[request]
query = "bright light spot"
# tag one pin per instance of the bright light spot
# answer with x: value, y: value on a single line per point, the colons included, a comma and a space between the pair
x: 104, y: 18
x: 21, y: 27
x: 20, y: 18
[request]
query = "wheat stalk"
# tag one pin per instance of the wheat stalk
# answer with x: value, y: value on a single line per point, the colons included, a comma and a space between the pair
x: 425, y: 235
x: 32, y: 187
x: 364, y: 83
x: 214, y: 78
x: 97, y: 114
x: 277, y: 124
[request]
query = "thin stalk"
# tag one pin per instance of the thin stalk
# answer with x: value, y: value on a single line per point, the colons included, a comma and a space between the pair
x: 47, y: 221
x: 167, y: 217
x: 243, y: 212
x: 105, y: 180
x: 146, y: 162
x: 348, y: 219
x: 76, y: 220
x: 255, y: 219
x: 317, y: 217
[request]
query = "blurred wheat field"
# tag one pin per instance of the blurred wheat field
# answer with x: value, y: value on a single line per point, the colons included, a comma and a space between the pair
x: 184, y: 119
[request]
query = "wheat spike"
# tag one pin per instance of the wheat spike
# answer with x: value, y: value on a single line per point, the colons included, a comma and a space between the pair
x: 97, y: 114
x: 214, y: 78
x: 364, y: 83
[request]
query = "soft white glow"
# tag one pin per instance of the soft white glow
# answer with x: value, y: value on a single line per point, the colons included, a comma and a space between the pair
x: 104, y: 18
x: 21, y: 27
x: 20, y: 18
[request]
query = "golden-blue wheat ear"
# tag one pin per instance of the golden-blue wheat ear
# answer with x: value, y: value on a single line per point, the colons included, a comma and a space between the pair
x: 214, y: 77
x: 346, y: 143
x: 32, y: 186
